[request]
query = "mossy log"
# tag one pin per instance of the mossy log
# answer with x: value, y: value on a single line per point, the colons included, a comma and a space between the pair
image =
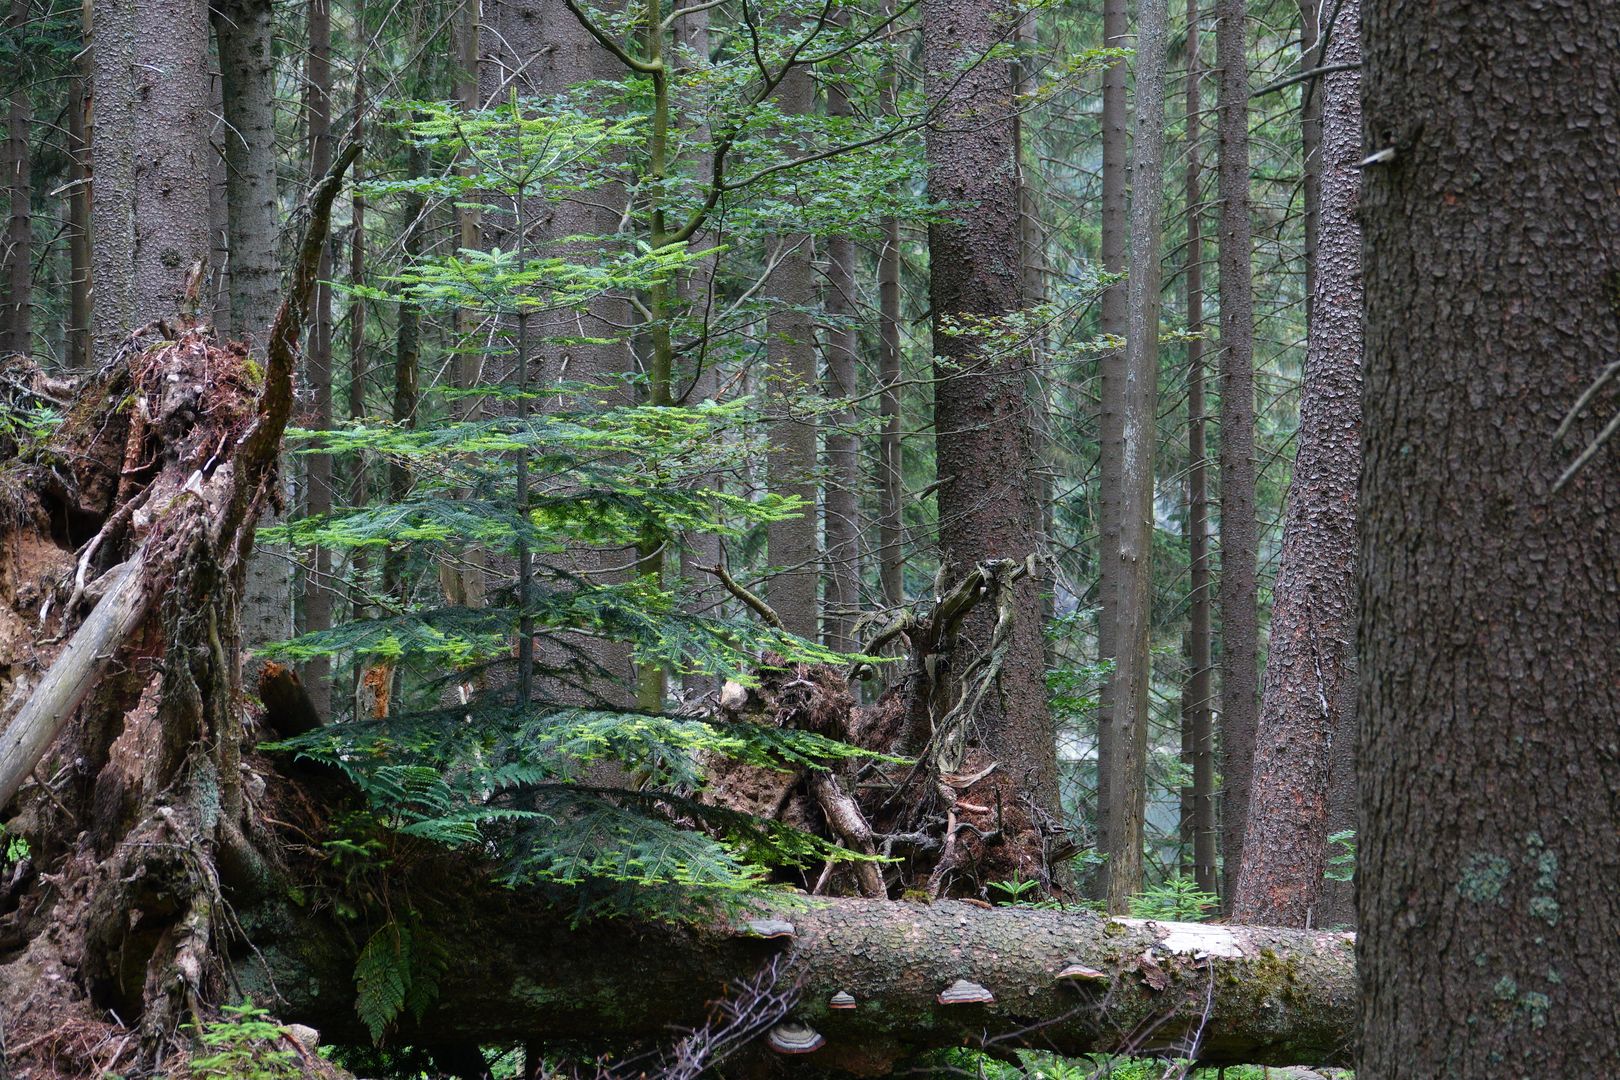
x: 1068, y: 982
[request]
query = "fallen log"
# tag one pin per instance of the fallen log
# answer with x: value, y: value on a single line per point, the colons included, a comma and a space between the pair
x: 1072, y: 983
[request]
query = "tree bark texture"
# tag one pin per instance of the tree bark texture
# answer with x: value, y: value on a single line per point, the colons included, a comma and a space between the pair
x: 1111, y: 417
x: 1490, y: 760
x: 171, y: 122
x: 841, y: 505
x: 983, y: 423
x: 1220, y: 994
x: 318, y: 584
x: 1313, y: 602
x: 1133, y: 672
x: 16, y: 315
x: 1198, y: 735
x: 79, y: 257
x: 792, y: 546
x: 1239, y: 529
x: 112, y: 155
x: 244, y: 30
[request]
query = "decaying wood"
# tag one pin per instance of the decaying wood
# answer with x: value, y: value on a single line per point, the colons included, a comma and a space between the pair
x: 1219, y: 994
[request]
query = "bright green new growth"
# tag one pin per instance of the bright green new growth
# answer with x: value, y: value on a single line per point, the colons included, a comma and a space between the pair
x: 464, y: 757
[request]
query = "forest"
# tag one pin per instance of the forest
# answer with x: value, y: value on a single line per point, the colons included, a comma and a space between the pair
x: 1013, y: 539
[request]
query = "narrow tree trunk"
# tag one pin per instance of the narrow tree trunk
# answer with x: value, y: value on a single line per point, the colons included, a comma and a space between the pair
x: 891, y: 463
x: 1111, y: 427
x: 1133, y: 671
x: 791, y: 545
x: 984, y: 430
x: 359, y: 358
x: 79, y: 255
x: 317, y: 607
x: 841, y: 506
x: 17, y: 313
x: 1239, y: 532
x: 1198, y: 736
x: 1313, y: 603
x: 1489, y: 576
x: 243, y: 29
x: 407, y: 367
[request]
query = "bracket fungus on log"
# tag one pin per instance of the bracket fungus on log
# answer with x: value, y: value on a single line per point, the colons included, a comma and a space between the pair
x: 792, y: 1037
x: 768, y: 928
x: 964, y: 992
x: 1078, y: 974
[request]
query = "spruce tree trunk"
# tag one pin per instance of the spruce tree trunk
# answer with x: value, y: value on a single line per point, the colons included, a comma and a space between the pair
x: 318, y: 585
x: 1198, y: 735
x: 1490, y: 582
x: 16, y: 314
x: 170, y: 104
x: 841, y: 507
x: 78, y: 141
x: 1133, y: 673
x: 1239, y: 529
x: 791, y: 545
x: 1313, y: 613
x: 1111, y: 425
x: 983, y: 423
x: 112, y: 155
x: 891, y: 472
x: 243, y: 31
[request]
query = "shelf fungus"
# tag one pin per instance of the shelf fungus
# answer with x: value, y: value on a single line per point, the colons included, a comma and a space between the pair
x: 1076, y: 973
x: 842, y: 1000
x: 792, y: 1037
x: 769, y: 928
x: 963, y: 992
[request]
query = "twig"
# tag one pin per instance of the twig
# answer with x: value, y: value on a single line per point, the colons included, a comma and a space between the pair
x: 749, y: 599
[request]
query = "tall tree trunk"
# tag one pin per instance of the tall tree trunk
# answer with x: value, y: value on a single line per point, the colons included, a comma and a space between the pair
x: 243, y: 30
x: 16, y: 315
x: 1132, y: 676
x: 1490, y: 576
x: 791, y: 545
x: 984, y: 430
x: 1313, y: 605
x: 79, y: 255
x: 407, y: 366
x: 891, y: 479
x: 171, y: 153
x: 112, y: 153
x: 359, y: 489
x: 317, y: 607
x: 1239, y: 532
x: 841, y: 506
x: 1198, y: 735
x: 1111, y: 424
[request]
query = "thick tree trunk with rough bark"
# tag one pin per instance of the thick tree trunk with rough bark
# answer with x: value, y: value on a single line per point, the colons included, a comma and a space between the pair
x: 1311, y: 654
x: 841, y: 505
x: 1239, y: 529
x: 171, y: 122
x: 984, y: 430
x: 1490, y: 580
